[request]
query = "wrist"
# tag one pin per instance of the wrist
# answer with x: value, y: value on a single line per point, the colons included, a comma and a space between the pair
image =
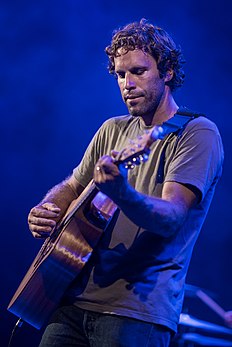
x: 125, y: 194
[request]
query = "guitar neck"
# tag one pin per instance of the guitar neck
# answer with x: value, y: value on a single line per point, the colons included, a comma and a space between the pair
x: 133, y: 155
x: 88, y: 193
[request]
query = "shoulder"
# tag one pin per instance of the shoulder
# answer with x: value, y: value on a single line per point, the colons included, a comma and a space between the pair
x: 202, y: 133
x: 200, y: 120
x: 110, y: 125
x: 203, y: 123
x: 117, y: 125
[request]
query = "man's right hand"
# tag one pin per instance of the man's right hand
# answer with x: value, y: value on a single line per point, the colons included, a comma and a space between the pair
x: 42, y: 219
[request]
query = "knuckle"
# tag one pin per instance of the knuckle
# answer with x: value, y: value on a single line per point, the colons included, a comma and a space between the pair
x: 32, y: 211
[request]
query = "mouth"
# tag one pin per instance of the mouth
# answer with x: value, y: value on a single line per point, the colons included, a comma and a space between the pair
x: 131, y: 99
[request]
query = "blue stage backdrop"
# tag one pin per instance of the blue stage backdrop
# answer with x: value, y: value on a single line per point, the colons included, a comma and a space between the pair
x: 55, y: 92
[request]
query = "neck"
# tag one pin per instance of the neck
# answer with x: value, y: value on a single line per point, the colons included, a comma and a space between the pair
x: 165, y: 110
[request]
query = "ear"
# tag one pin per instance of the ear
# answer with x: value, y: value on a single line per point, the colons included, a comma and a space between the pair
x: 168, y: 76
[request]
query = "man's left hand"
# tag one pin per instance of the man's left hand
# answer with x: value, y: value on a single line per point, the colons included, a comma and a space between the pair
x: 110, y: 178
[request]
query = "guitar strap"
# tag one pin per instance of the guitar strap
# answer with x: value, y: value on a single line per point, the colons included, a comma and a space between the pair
x: 173, y: 127
x: 179, y: 121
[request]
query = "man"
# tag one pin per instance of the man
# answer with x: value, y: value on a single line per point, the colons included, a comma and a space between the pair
x: 130, y: 292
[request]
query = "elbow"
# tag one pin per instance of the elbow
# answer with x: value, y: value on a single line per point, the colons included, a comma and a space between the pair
x: 170, y: 230
x: 166, y: 231
x: 169, y: 225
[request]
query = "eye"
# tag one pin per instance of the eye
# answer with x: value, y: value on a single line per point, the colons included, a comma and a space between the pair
x: 138, y: 71
x: 120, y: 74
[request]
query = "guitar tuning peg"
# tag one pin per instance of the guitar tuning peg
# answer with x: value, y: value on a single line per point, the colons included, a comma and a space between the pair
x: 144, y: 157
x: 129, y: 165
x: 136, y: 160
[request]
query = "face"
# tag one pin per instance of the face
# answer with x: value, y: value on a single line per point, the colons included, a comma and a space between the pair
x: 141, y: 87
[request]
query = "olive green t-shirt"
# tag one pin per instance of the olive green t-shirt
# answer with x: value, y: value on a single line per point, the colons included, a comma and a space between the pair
x: 134, y: 272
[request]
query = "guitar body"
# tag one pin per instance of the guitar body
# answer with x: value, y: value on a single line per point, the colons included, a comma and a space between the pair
x: 58, y: 262
x: 66, y: 251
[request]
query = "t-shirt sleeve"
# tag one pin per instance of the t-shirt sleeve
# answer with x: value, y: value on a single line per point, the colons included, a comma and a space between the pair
x: 96, y: 148
x: 198, y: 157
x: 84, y: 171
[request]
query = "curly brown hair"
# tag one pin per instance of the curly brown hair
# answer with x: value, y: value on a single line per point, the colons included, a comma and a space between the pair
x: 152, y: 40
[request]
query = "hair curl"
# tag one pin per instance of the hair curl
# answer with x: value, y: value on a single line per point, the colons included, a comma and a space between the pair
x: 152, y: 40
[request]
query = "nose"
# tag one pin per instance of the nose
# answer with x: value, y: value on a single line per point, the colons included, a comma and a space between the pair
x: 129, y: 82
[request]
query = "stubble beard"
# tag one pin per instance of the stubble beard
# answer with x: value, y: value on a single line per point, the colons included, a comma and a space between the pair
x: 147, y: 109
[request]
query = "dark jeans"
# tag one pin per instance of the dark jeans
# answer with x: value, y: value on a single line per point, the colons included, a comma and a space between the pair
x: 71, y: 326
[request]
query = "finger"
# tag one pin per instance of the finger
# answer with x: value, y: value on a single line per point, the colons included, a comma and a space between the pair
x: 105, y: 159
x: 43, y: 231
x: 51, y: 207
x: 101, y: 172
x: 39, y: 211
x: 41, y: 228
x: 41, y: 222
x: 114, y: 153
x: 107, y: 165
x: 40, y: 235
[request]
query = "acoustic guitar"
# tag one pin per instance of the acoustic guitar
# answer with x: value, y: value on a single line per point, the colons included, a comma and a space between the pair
x: 70, y: 245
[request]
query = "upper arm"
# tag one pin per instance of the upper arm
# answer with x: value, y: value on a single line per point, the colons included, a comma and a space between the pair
x: 180, y: 195
x: 197, y: 161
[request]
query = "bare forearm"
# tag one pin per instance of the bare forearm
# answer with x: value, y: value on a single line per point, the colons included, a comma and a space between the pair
x: 153, y: 214
x: 43, y: 218
x: 163, y: 216
x: 61, y: 195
